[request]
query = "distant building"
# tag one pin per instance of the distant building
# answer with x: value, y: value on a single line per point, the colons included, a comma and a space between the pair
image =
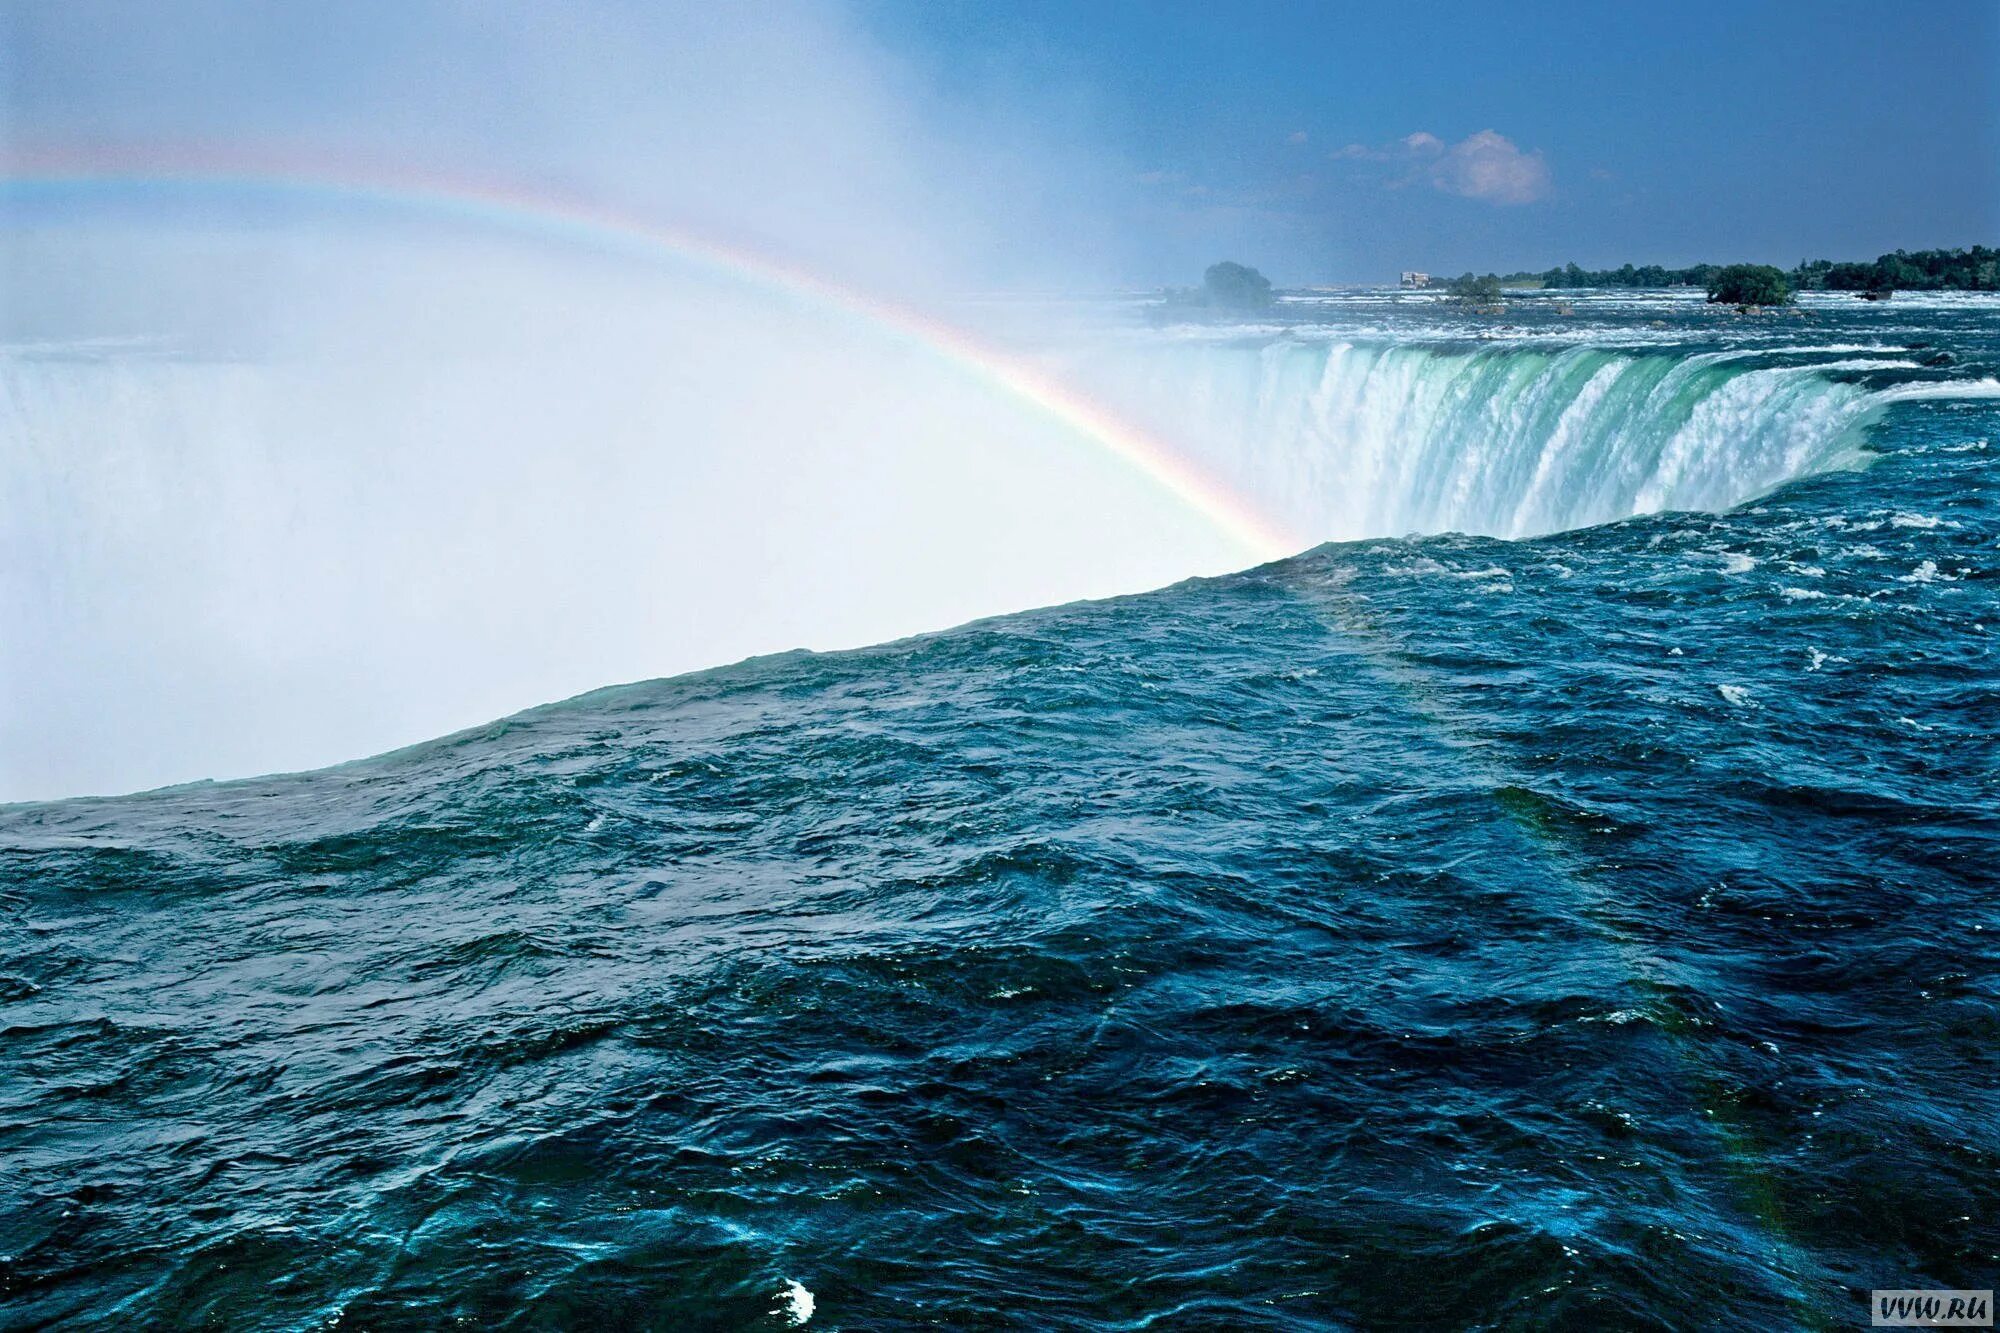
x: 1414, y: 279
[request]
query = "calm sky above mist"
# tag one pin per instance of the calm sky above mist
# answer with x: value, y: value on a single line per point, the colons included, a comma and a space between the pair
x: 963, y: 143
x: 1345, y: 141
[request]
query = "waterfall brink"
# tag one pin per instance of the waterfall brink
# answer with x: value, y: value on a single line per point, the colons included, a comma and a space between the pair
x: 1353, y: 440
x: 213, y: 566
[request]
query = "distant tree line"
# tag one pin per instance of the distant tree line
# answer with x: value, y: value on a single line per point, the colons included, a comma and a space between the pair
x: 1645, y: 275
x: 1731, y: 284
x: 1973, y: 270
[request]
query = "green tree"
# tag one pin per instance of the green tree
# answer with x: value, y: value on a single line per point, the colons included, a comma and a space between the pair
x: 1749, y: 284
x: 1475, y: 291
x: 1232, y: 286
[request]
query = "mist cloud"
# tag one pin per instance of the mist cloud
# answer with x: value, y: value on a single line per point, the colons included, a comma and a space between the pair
x: 784, y: 125
x: 313, y: 476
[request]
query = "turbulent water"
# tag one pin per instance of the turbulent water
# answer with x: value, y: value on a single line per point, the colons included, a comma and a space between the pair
x: 1593, y: 929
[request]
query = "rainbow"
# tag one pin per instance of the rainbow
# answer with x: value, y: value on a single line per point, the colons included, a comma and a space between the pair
x: 575, y: 221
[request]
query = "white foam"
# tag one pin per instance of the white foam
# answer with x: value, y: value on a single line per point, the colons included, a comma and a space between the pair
x: 1424, y: 565
x: 1905, y: 393
x: 796, y: 1303
x: 1863, y: 363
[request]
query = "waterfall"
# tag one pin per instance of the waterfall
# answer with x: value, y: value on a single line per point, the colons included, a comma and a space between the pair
x: 1352, y: 439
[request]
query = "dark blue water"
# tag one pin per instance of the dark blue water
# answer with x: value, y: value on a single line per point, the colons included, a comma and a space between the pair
x: 1593, y: 931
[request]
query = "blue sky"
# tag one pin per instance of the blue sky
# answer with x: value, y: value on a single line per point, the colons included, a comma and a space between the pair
x: 954, y: 144
x: 1281, y: 133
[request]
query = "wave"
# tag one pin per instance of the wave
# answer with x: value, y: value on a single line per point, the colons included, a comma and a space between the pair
x: 1352, y: 439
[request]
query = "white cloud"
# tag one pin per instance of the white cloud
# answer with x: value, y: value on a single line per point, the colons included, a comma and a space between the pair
x: 1296, y: 136
x: 1487, y: 166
